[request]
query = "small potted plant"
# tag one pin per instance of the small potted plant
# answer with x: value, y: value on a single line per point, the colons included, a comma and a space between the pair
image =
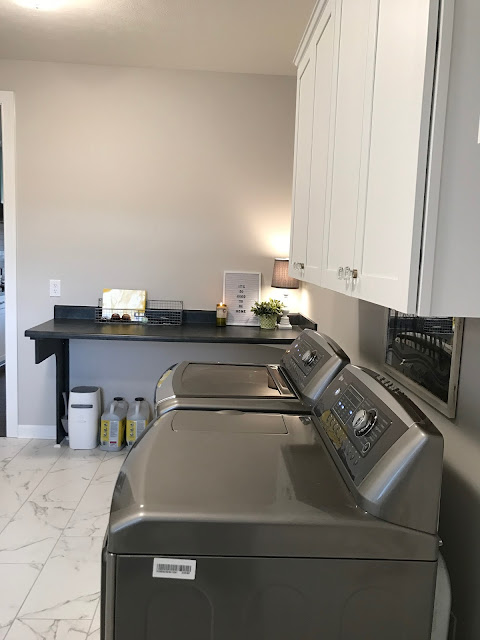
x: 268, y: 313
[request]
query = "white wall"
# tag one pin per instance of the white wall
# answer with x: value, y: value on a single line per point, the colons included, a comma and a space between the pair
x: 359, y: 328
x: 138, y: 178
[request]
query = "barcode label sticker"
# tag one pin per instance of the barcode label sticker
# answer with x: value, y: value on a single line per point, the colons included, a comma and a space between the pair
x: 174, y: 568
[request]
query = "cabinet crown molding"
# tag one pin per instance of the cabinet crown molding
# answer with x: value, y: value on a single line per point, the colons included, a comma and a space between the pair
x: 310, y: 30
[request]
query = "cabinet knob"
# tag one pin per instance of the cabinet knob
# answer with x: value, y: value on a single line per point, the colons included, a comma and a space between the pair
x: 347, y: 273
x: 340, y: 273
x: 355, y: 274
x: 299, y: 265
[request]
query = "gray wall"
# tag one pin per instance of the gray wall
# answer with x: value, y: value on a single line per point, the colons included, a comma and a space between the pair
x: 137, y: 178
x: 359, y: 327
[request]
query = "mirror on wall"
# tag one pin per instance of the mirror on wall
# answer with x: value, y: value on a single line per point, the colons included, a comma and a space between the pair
x: 423, y: 354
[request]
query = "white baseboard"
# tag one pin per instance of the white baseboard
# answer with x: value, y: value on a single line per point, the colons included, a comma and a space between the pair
x: 41, y: 431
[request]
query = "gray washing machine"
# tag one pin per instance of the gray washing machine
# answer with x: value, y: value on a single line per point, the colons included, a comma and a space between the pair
x: 306, y: 369
x: 278, y: 527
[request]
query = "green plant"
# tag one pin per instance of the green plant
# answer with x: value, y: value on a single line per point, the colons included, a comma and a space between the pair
x: 270, y: 308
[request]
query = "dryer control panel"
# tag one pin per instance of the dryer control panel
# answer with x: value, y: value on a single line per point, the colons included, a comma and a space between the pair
x: 312, y: 362
x: 386, y: 449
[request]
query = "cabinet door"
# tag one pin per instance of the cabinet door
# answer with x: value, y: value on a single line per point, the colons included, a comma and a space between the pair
x: 387, y: 254
x: 356, y: 22
x: 303, y: 158
x: 323, y: 43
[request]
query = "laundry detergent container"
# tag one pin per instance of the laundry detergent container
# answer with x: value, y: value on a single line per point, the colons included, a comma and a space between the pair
x: 114, y: 422
x: 84, y: 408
x: 138, y: 417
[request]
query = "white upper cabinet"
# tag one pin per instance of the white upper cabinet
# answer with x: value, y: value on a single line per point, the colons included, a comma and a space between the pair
x: 324, y: 46
x: 354, y: 62
x: 389, y: 230
x: 303, y: 157
x: 391, y: 214
x: 314, y: 106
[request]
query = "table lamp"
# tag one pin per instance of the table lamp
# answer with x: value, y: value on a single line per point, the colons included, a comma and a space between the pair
x: 281, y: 280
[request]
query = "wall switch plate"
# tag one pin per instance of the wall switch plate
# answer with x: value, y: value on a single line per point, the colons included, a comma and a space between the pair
x: 55, y: 288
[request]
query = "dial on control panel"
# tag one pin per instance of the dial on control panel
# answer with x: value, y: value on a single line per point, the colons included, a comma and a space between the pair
x: 364, y: 421
x: 309, y: 358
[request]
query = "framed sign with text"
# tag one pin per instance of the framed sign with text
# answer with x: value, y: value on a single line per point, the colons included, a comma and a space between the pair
x: 240, y: 290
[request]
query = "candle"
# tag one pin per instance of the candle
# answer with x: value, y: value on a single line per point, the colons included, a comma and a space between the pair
x: 222, y: 311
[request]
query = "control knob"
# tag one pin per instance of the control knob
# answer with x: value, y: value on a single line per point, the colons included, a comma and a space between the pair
x: 306, y: 356
x: 363, y: 422
x: 309, y: 358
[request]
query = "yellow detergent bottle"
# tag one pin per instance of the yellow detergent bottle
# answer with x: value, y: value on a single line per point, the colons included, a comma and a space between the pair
x: 138, y: 417
x: 113, y: 424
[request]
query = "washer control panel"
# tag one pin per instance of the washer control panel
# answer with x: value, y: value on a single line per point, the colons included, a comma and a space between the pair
x: 309, y: 355
x: 388, y: 452
x: 359, y: 425
x: 305, y: 356
x: 311, y: 363
x: 361, y: 419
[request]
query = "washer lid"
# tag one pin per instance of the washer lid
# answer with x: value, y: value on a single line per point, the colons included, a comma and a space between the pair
x: 192, y: 379
x: 252, y: 492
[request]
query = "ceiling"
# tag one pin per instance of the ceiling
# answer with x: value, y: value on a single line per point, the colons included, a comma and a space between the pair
x: 245, y: 36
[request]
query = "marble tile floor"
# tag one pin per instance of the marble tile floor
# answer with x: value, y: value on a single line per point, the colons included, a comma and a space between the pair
x: 54, y: 505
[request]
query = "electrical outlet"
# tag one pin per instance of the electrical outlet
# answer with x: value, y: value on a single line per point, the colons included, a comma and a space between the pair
x: 55, y: 288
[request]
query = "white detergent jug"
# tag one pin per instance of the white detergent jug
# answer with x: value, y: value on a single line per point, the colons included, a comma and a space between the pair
x: 112, y: 427
x: 138, y: 417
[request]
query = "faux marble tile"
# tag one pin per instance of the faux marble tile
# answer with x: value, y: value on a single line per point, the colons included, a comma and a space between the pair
x: 16, y: 485
x: 116, y: 454
x: 95, y: 626
x: 68, y: 587
x: 108, y: 470
x: 65, y: 486
x: 9, y: 447
x: 91, y: 516
x: 32, y: 533
x: 16, y: 580
x: 48, y: 630
x: 74, y: 458
x: 4, y: 520
x: 37, y: 454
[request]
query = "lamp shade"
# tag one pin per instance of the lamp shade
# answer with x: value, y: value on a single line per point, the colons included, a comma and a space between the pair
x: 281, y: 279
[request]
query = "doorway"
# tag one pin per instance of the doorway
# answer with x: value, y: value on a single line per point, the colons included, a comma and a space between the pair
x: 8, y: 269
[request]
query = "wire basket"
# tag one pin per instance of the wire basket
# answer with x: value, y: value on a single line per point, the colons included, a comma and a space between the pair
x: 157, y: 312
x: 439, y: 326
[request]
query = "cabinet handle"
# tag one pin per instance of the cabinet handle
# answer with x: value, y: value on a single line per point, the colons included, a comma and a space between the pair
x: 299, y: 265
x: 355, y: 274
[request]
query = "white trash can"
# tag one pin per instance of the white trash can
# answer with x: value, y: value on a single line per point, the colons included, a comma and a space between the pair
x: 84, y: 410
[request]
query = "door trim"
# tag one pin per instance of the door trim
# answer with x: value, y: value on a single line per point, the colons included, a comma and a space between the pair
x: 7, y: 104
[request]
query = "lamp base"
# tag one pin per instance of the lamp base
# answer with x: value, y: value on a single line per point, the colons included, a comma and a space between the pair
x: 285, y: 320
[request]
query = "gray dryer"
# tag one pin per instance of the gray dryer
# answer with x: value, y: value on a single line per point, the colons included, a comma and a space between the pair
x: 251, y: 526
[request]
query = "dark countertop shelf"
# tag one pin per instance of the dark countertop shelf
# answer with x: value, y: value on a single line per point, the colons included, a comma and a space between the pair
x: 63, y: 329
